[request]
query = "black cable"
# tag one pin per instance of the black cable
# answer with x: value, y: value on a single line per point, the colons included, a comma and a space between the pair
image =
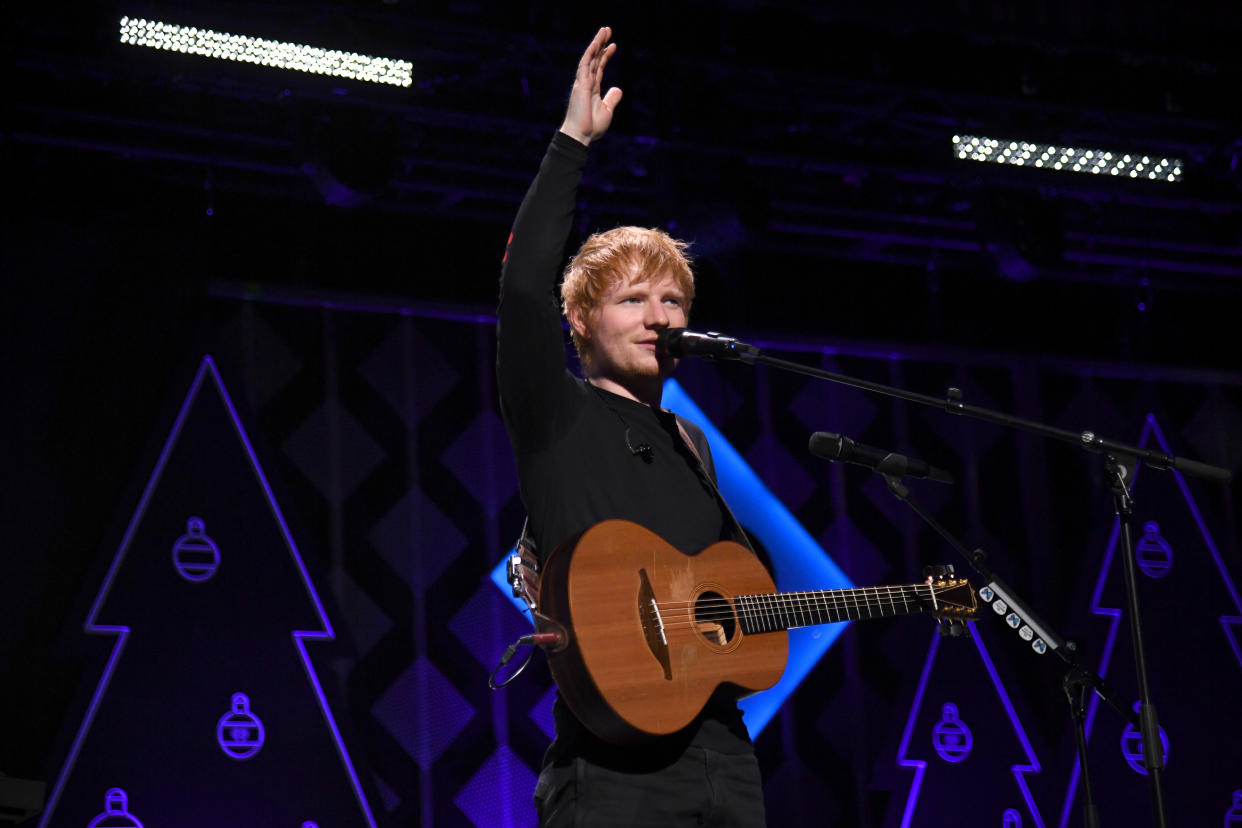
x: 524, y: 641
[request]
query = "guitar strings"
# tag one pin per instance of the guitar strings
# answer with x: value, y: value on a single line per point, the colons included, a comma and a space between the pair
x: 797, y: 605
x: 870, y: 608
x: 845, y: 598
x: 802, y: 616
x: 844, y: 595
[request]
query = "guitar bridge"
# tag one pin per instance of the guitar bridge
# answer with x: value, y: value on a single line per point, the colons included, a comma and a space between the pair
x: 653, y: 624
x: 655, y: 613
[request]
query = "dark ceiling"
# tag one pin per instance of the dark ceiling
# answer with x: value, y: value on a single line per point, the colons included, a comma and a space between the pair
x: 804, y: 149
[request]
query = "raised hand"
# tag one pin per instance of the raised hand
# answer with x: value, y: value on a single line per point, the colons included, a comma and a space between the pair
x: 590, y: 113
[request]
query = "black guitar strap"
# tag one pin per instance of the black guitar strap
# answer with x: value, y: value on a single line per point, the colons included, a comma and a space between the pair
x: 523, y: 568
x: 738, y: 532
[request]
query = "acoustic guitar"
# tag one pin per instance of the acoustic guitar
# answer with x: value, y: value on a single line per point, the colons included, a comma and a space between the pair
x: 645, y: 633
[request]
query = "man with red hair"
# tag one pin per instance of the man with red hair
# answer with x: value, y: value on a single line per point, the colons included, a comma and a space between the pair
x: 601, y: 447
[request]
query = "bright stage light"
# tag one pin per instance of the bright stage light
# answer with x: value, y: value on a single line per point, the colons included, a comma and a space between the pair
x: 190, y: 40
x: 1066, y: 159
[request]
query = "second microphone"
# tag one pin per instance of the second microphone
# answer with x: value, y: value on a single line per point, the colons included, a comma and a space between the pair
x: 838, y: 447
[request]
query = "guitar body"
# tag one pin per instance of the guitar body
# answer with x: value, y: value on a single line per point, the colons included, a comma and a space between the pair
x: 653, y: 632
x: 645, y: 634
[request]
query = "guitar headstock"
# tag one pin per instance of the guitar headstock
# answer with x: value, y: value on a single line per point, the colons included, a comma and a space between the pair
x: 950, y: 599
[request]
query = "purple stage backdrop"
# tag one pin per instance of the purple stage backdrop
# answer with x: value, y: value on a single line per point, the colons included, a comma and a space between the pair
x: 257, y: 479
x: 377, y: 425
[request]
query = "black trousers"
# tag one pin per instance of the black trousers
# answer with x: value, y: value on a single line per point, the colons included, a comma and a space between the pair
x: 702, y: 788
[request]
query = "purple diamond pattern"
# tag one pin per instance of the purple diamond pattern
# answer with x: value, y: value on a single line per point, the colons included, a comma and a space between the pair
x: 482, y: 461
x: 417, y: 540
x: 1092, y: 408
x: 488, y: 624
x: 934, y: 496
x: 333, y: 449
x: 423, y: 711
x: 823, y: 406
x: 410, y: 374
x: 1212, y: 432
x: 268, y: 363
x: 364, y: 622
x: 389, y: 797
x: 718, y: 398
x: 500, y: 793
x: 854, y: 553
x: 783, y: 474
x: 964, y: 431
x: 541, y: 713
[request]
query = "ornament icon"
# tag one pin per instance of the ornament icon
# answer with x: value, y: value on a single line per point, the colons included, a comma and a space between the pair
x: 1155, y: 556
x: 195, y: 555
x: 1234, y: 815
x: 240, y: 733
x: 951, y: 737
x: 116, y: 812
x: 1132, y: 746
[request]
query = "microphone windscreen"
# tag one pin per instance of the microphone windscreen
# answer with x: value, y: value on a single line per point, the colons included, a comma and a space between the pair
x: 667, y: 342
x: 826, y: 445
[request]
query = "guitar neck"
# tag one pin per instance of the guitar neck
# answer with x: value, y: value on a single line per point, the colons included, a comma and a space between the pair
x: 788, y: 610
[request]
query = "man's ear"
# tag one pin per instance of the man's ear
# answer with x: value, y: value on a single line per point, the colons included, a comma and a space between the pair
x: 577, y: 321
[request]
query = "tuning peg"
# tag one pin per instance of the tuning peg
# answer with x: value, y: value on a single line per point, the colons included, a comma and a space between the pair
x: 951, y: 628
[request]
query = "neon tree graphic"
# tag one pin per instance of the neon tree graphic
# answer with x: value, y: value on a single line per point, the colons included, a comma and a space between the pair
x: 936, y: 742
x: 800, y: 562
x: 1183, y: 577
x: 153, y: 732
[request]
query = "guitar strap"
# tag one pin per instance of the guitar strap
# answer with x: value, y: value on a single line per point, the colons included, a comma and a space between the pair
x: 738, y: 531
x: 524, y: 568
x: 524, y: 576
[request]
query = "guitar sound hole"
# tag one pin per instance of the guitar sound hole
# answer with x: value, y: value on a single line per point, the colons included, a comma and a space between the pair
x: 714, y: 619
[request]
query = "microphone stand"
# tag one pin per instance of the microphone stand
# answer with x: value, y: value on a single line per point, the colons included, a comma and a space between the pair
x: 1004, y: 601
x: 1114, y: 453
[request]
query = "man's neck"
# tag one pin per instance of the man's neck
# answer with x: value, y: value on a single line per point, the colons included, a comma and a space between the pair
x: 647, y: 392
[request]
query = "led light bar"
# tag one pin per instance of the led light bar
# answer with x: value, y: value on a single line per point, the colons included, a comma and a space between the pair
x: 205, y: 42
x: 1066, y: 159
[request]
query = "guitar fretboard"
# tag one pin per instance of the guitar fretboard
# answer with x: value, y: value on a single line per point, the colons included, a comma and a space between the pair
x: 787, y: 610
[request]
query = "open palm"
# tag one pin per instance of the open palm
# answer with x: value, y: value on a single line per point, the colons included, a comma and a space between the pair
x: 590, y: 113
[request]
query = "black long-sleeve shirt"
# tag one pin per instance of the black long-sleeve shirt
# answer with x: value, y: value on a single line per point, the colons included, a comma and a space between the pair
x: 574, y: 443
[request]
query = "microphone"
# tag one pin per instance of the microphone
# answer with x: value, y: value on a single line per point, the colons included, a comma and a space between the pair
x: 839, y: 447
x: 679, y: 342
x: 643, y: 450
